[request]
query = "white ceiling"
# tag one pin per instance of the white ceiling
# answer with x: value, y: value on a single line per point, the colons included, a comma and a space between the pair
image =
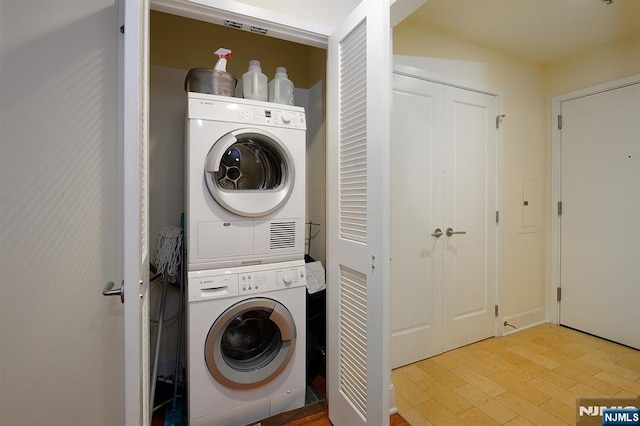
x: 540, y: 30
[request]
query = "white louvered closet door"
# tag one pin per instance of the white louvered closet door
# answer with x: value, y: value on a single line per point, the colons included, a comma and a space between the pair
x: 358, y: 115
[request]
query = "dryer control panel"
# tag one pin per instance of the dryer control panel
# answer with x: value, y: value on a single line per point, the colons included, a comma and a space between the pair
x: 273, y: 116
x: 238, y: 110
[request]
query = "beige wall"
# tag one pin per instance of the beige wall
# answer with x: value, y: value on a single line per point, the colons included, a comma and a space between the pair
x: 606, y: 63
x: 521, y: 86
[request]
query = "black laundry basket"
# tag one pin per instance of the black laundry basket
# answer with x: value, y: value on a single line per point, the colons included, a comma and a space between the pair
x: 316, y: 334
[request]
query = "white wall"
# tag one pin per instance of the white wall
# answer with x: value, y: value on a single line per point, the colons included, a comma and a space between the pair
x: 316, y: 171
x: 167, y: 104
x: 59, y: 356
x: 521, y: 86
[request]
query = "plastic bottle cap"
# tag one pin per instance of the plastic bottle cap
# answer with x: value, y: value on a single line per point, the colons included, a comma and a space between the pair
x: 254, y: 65
x: 281, y: 72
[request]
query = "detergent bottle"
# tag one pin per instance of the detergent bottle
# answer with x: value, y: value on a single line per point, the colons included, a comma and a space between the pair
x: 254, y: 82
x: 281, y: 88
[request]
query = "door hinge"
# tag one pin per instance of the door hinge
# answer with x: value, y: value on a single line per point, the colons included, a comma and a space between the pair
x: 496, y: 310
x: 559, y: 294
x: 559, y: 208
x: 499, y: 119
x: 497, y: 216
x: 560, y: 122
x: 122, y: 29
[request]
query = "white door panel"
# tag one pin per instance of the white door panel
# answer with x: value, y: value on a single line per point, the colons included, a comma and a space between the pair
x: 470, y: 169
x: 132, y: 208
x: 444, y: 175
x: 416, y: 255
x: 358, y: 95
x: 599, y: 229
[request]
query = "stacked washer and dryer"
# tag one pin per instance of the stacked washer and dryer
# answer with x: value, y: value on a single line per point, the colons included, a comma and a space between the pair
x: 246, y: 294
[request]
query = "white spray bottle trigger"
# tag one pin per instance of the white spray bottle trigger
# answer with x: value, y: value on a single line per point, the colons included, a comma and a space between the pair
x: 221, y: 65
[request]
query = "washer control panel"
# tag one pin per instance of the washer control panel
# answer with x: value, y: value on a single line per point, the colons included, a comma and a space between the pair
x: 257, y: 282
x: 219, y: 283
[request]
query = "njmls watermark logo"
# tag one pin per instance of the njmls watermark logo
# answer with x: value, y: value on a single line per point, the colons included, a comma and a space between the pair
x: 608, y: 411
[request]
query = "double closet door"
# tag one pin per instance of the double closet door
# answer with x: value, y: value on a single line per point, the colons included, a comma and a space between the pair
x: 443, y: 218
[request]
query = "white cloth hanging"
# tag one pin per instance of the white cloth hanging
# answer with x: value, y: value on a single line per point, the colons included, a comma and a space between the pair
x: 169, y: 252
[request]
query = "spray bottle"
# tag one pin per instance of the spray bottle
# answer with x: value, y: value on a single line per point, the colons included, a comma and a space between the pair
x: 223, y: 55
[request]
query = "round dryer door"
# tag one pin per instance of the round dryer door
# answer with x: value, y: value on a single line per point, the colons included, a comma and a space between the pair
x: 249, y: 172
x: 250, y: 343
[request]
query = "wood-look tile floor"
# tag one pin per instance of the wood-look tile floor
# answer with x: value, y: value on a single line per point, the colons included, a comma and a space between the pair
x: 531, y: 377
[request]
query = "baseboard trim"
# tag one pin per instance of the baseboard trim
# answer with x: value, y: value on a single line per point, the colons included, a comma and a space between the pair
x: 524, y: 320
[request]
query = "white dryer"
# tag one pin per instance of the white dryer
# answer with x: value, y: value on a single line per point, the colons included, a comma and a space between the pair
x: 246, y: 333
x: 245, y: 182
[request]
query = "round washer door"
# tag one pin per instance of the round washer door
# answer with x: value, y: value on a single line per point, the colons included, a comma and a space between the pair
x: 250, y: 343
x: 249, y: 172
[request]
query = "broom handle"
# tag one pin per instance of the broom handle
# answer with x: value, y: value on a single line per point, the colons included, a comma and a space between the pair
x: 182, y: 277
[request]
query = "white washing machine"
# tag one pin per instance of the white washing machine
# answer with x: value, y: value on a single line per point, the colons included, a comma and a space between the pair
x: 246, y: 334
x: 245, y: 182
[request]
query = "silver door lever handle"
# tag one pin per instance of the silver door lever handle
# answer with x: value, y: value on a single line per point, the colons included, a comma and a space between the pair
x: 108, y: 290
x: 451, y: 232
x: 437, y: 233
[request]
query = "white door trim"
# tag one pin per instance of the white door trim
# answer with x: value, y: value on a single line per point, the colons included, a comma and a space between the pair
x: 132, y: 208
x: 422, y: 74
x: 219, y: 11
x: 556, y: 183
x: 279, y: 25
x: 444, y: 79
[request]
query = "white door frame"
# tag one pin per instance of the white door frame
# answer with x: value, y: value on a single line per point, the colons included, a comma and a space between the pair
x: 132, y: 209
x: 297, y: 31
x: 418, y: 73
x: 556, y: 183
x: 280, y: 26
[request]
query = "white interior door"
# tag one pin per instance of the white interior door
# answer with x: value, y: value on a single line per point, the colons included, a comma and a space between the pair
x: 599, y: 230
x: 132, y: 209
x: 359, y: 94
x: 444, y: 233
x: 416, y: 214
x: 469, y: 202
